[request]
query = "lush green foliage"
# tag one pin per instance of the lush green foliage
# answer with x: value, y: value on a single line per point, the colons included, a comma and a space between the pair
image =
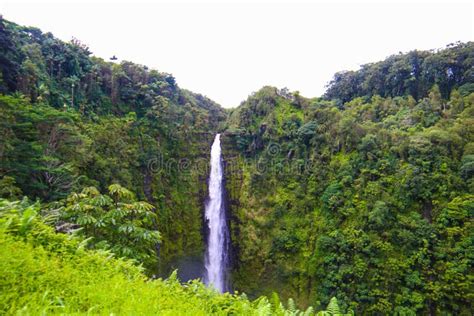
x: 70, y: 121
x: 412, y: 74
x: 371, y: 202
x: 362, y: 200
x: 115, y: 222
x: 47, y: 272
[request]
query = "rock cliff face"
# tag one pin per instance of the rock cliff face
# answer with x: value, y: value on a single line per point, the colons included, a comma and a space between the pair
x: 249, y: 269
x: 233, y: 168
x: 184, y: 249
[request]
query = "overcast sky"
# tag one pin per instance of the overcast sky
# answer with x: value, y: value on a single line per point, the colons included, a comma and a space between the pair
x: 227, y: 50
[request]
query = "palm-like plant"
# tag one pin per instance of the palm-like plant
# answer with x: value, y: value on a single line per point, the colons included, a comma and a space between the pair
x: 115, y: 221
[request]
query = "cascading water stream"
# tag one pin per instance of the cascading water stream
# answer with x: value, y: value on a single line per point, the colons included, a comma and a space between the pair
x: 216, y: 259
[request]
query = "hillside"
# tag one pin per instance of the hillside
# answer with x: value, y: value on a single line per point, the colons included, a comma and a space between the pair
x: 368, y: 200
x: 413, y: 73
x: 71, y: 121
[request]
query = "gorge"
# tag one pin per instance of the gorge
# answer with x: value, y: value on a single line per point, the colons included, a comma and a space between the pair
x: 363, y: 195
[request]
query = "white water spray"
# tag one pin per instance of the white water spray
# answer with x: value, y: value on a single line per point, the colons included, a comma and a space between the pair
x: 216, y: 260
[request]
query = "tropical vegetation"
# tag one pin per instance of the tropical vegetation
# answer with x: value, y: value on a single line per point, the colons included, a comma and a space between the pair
x: 359, y: 201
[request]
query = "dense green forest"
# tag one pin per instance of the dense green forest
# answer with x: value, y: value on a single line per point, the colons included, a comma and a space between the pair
x: 71, y: 121
x: 372, y: 202
x: 359, y: 201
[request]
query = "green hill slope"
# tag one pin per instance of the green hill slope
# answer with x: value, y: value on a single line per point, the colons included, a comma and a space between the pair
x: 370, y: 201
x: 72, y: 120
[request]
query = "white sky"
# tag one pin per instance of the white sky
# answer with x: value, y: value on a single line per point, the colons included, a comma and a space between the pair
x: 227, y: 50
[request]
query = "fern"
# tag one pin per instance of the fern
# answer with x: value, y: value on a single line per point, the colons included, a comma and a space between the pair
x: 309, y: 311
x: 276, y: 303
x: 291, y: 307
x: 263, y: 307
x: 333, y: 307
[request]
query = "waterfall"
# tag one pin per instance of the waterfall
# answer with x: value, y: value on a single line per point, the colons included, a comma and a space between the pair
x: 217, y: 258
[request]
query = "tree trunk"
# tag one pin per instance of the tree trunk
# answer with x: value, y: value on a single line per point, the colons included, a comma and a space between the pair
x: 427, y: 210
x: 147, y: 190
